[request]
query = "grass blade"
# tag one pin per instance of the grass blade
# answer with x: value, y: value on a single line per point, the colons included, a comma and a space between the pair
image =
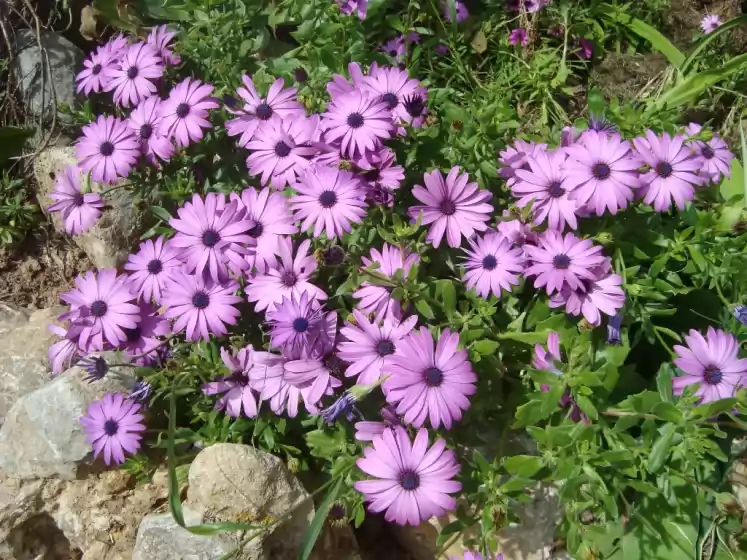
x: 321, y: 516
x: 744, y: 158
x: 706, y: 39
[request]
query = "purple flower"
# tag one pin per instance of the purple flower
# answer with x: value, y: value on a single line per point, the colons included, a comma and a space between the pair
x: 79, y: 210
x: 370, y: 347
x: 107, y: 149
x: 132, y: 79
x: 672, y: 172
x: 492, y: 265
x: 395, y: 48
x: 212, y: 235
x: 740, y: 312
x: 710, y: 23
x: 415, y: 108
x: 528, y: 6
x: 562, y: 261
x: 715, y: 157
x: 602, y: 172
x: 315, y: 372
x: 288, y: 276
x: 159, y: 38
x: 329, y: 199
x: 296, y: 323
x: 199, y: 305
x: 518, y: 36
x: 280, y: 149
x: 469, y: 555
x: 459, y: 8
x: 515, y: 231
x: 151, y: 267
x: 239, y: 394
x: 544, y: 359
x: 101, y: 305
x: 585, y: 49
x: 454, y: 207
x: 380, y: 176
x: 96, y: 366
x: 516, y: 156
x: 600, y: 294
x: 547, y: 187
x: 63, y: 353
x: 427, y: 383
x: 441, y: 49
x: 347, y: 7
x: 600, y: 123
x: 143, y: 340
x: 141, y: 391
x: 343, y: 405
x: 144, y: 121
x: 279, y: 104
x: 368, y: 431
x: 184, y: 114
x: 358, y: 122
x: 392, y: 86
x: 113, y: 425
x: 340, y: 86
x: 712, y: 363
x: 94, y: 77
x: 377, y: 300
x: 271, y: 219
x: 412, y: 481
x: 614, y: 336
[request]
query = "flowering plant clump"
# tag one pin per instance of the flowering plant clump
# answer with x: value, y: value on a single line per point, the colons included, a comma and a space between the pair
x: 382, y: 275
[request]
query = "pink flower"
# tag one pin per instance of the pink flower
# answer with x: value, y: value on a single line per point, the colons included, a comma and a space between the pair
x: 144, y: 121
x: 184, y: 114
x: 160, y: 37
x: 151, y: 267
x: 358, y: 122
x: 518, y: 36
x: 107, y: 150
x: 376, y: 299
x: 132, y: 80
x: 113, y: 425
x: 238, y: 392
x: 79, y: 211
x: 492, y: 265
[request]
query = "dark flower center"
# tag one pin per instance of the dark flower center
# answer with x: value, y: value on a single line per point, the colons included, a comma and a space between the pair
x: 433, y: 377
x: 409, y: 480
x: 256, y: 230
x: 707, y: 152
x: 200, y: 300
x: 355, y: 120
x: 264, y: 111
x: 99, y: 308
x: 489, y: 262
x: 392, y: 52
x: 282, y: 149
x: 390, y: 99
x: 210, y: 238
x: 240, y: 378
x: 333, y: 255
x: 372, y: 175
x: 555, y: 189
x: 415, y: 105
x: 132, y: 72
x: 385, y: 348
x: 300, y: 325
x: 328, y: 199
x: 300, y: 75
x: 289, y: 279
x: 96, y: 69
x: 132, y: 334
x: 79, y: 199
x: 561, y: 261
x: 713, y: 375
x: 145, y: 131
x: 664, y: 169
x: 230, y: 101
x: 182, y: 110
x: 111, y: 427
x: 336, y: 512
x: 106, y: 149
x: 155, y: 266
x: 447, y: 207
x: 333, y: 364
x: 601, y: 171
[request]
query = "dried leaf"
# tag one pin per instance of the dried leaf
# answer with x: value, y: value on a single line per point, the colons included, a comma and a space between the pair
x: 88, y: 23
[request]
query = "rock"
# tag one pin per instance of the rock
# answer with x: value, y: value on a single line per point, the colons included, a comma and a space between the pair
x: 336, y: 543
x: 24, y: 341
x: 240, y: 483
x: 110, y: 240
x: 62, y: 62
x: 42, y: 435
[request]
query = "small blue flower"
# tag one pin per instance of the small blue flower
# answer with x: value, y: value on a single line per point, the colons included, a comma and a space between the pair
x: 96, y: 366
x: 600, y: 123
x: 141, y: 391
x: 344, y: 405
x: 614, y: 336
x: 740, y: 312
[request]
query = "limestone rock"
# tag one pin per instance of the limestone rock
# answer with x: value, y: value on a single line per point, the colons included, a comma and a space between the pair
x: 63, y: 61
x: 42, y: 435
x: 117, y: 232
x: 24, y: 341
x: 240, y: 483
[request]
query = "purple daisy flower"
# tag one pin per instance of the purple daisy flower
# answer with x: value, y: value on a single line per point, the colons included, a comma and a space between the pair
x: 288, y: 277
x: 518, y: 36
x: 358, y: 121
x: 454, y: 207
x: 329, y: 199
x: 672, y: 173
x: 296, y: 323
x: 546, y: 186
x: 94, y: 76
x: 585, y: 48
x: 107, y: 149
x: 370, y: 347
x: 715, y: 155
x: 212, y: 235
x: 160, y: 38
x: 528, y: 6
x: 143, y: 340
x: 601, y: 294
x: 544, y: 358
x: 101, y: 305
x: 412, y: 481
x: 392, y: 86
x: 280, y: 149
x: 151, y: 266
x: 369, y: 431
x: 461, y: 11
x: 602, y: 172
x: 113, y: 425
x: 559, y: 261
x: 414, y: 108
x: 315, y: 373
x: 79, y: 210
x: 492, y: 265
x: 516, y: 156
x: 395, y: 48
x: 271, y: 219
x: 430, y: 383
x: 144, y: 121
x: 377, y: 300
x: 339, y: 86
x: 381, y: 176
x: 515, y: 231
x: 710, y: 23
x: 279, y: 104
x: 347, y: 7
x: 184, y: 114
x: 63, y: 353
x: 740, y: 313
x: 712, y: 362
x: 199, y: 305
x: 614, y: 325
x: 239, y: 394
x: 132, y: 79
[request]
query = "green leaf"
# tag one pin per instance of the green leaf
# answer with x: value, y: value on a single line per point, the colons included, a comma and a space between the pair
x: 523, y: 465
x: 664, y: 382
x: 669, y: 412
x: 446, y: 294
x: 732, y: 188
x: 12, y: 140
x: 706, y: 39
x: 485, y: 347
x: 424, y: 309
x: 661, y: 448
x: 160, y: 213
x: 318, y: 522
x: 525, y: 337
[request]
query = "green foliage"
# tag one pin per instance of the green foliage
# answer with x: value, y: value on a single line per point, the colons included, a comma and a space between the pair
x: 17, y: 215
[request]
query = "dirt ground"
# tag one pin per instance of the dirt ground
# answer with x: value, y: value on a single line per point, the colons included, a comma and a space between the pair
x: 683, y: 21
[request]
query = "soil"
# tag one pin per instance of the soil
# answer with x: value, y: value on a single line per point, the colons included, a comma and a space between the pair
x: 36, y: 272
x: 623, y: 76
x: 683, y: 23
